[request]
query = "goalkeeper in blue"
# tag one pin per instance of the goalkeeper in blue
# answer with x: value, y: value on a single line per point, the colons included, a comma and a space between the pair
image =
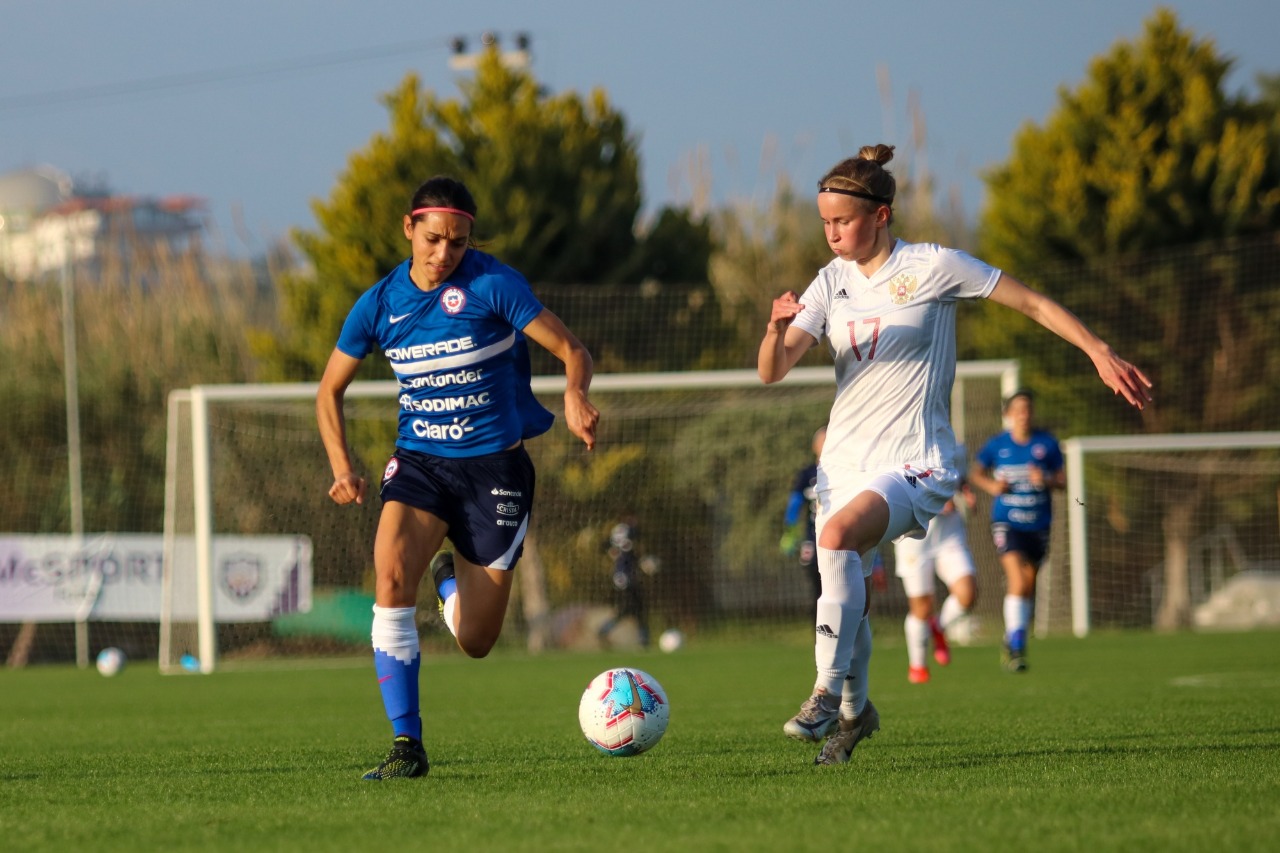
x: 453, y: 322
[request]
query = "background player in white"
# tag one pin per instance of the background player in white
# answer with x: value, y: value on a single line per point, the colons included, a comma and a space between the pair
x: 944, y: 551
x: 887, y: 310
x: 451, y: 320
x: 1020, y: 468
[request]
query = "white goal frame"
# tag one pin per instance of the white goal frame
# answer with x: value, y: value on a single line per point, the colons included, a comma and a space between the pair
x: 200, y: 396
x: 1074, y: 451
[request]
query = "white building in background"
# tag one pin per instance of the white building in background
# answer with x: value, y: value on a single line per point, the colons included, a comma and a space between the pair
x: 44, y: 223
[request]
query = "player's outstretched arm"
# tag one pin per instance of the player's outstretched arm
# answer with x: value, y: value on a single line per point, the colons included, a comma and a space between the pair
x: 1118, y: 375
x: 783, y: 345
x: 550, y: 332
x: 347, y: 485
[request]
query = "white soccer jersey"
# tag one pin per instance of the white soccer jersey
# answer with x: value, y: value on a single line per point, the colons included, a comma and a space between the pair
x: 893, y: 337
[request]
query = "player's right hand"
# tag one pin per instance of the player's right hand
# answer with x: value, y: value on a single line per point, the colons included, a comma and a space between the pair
x: 348, y: 488
x: 785, y: 309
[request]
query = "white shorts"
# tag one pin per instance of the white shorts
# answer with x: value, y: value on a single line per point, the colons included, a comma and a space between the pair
x: 914, y: 493
x: 944, y: 550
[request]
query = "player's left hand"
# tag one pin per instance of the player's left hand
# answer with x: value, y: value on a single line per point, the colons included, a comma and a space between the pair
x: 1123, y: 378
x: 581, y: 417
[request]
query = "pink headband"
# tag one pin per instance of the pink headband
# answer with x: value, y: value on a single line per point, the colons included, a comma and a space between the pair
x: 442, y: 210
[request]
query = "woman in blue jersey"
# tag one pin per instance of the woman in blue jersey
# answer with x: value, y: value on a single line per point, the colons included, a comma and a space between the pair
x: 887, y: 309
x: 1019, y: 468
x: 452, y: 321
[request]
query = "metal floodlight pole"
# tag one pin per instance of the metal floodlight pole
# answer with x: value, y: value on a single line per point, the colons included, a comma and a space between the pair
x: 74, y: 463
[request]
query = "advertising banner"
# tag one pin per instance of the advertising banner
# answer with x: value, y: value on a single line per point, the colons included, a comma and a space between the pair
x: 118, y: 577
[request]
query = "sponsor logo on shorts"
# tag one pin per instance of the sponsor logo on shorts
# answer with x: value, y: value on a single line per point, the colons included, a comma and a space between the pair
x: 452, y: 300
x: 509, y: 508
x: 503, y: 493
x: 502, y: 522
x: 393, y: 465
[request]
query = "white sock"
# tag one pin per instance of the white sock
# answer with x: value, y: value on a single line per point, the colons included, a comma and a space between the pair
x: 394, y: 632
x: 853, y: 695
x: 1017, y: 613
x: 844, y: 595
x: 950, y: 612
x: 451, y: 613
x: 917, y: 640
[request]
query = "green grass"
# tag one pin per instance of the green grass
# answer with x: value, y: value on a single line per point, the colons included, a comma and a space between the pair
x: 1118, y: 742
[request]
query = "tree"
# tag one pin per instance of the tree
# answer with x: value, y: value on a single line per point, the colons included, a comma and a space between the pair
x: 1148, y: 155
x: 555, y: 178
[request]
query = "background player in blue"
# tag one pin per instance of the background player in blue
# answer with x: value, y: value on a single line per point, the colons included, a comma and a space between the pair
x: 1019, y: 468
x: 451, y: 320
x: 801, y: 537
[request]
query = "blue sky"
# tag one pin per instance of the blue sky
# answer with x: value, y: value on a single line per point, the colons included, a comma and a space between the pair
x: 269, y: 98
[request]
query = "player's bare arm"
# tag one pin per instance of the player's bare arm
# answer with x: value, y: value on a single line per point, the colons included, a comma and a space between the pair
x: 981, y: 478
x: 347, y: 485
x: 1116, y: 373
x: 783, y: 345
x: 550, y: 332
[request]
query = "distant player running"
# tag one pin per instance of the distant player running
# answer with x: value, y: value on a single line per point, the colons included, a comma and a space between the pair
x: 1019, y: 468
x: 887, y: 309
x: 452, y: 322
x: 800, y: 537
x: 944, y: 553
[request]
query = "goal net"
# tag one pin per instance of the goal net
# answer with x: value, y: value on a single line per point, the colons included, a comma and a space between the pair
x: 1168, y: 531
x: 701, y: 464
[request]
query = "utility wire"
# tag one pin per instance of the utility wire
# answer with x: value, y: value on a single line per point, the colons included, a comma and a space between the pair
x: 63, y: 98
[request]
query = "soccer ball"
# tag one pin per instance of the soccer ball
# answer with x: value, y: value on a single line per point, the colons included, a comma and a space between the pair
x: 671, y: 640
x: 110, y: 661
x: 624, y: 712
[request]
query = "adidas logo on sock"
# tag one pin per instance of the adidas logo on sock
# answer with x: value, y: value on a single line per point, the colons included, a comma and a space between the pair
x: 825, y: 631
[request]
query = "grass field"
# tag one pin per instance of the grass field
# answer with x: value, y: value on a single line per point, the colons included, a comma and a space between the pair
x: 1118, y: 742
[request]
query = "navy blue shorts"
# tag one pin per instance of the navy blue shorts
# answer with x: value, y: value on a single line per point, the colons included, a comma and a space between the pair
x: 485, y: 500
x: 1031, y: 544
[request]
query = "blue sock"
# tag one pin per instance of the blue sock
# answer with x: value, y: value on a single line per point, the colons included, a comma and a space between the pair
x: 1018, y: 640
x: 397, y: 660
x: 448, y: 588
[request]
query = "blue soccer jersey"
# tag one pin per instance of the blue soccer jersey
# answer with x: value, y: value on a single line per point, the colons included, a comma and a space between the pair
x: 1023, y: 507
x: 458, y: 354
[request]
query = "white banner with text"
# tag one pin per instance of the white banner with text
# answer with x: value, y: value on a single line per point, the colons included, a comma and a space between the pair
x: 118, y: 577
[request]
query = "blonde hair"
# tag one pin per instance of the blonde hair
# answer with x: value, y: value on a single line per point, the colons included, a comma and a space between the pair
x: 863, y: 176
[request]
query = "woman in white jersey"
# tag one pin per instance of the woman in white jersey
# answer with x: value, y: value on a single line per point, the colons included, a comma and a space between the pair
x: 887, y: 309
x: 944, y: 553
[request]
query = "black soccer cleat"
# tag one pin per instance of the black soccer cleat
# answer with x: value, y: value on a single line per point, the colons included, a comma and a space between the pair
x: 1013, y: 660
x: 406, y: 760
x: 441, y: 571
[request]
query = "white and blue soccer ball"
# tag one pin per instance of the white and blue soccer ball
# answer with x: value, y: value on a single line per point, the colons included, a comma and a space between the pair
x: 624, y: 712
x: 671, y: 640
x: 110, y: 661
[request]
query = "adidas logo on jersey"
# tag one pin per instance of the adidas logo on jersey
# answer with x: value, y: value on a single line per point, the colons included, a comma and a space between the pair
x: 840, y: 294
x: 825, y: 631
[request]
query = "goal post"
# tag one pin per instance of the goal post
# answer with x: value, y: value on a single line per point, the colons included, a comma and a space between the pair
x: 1229, y: 478
x: 674, y: 425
